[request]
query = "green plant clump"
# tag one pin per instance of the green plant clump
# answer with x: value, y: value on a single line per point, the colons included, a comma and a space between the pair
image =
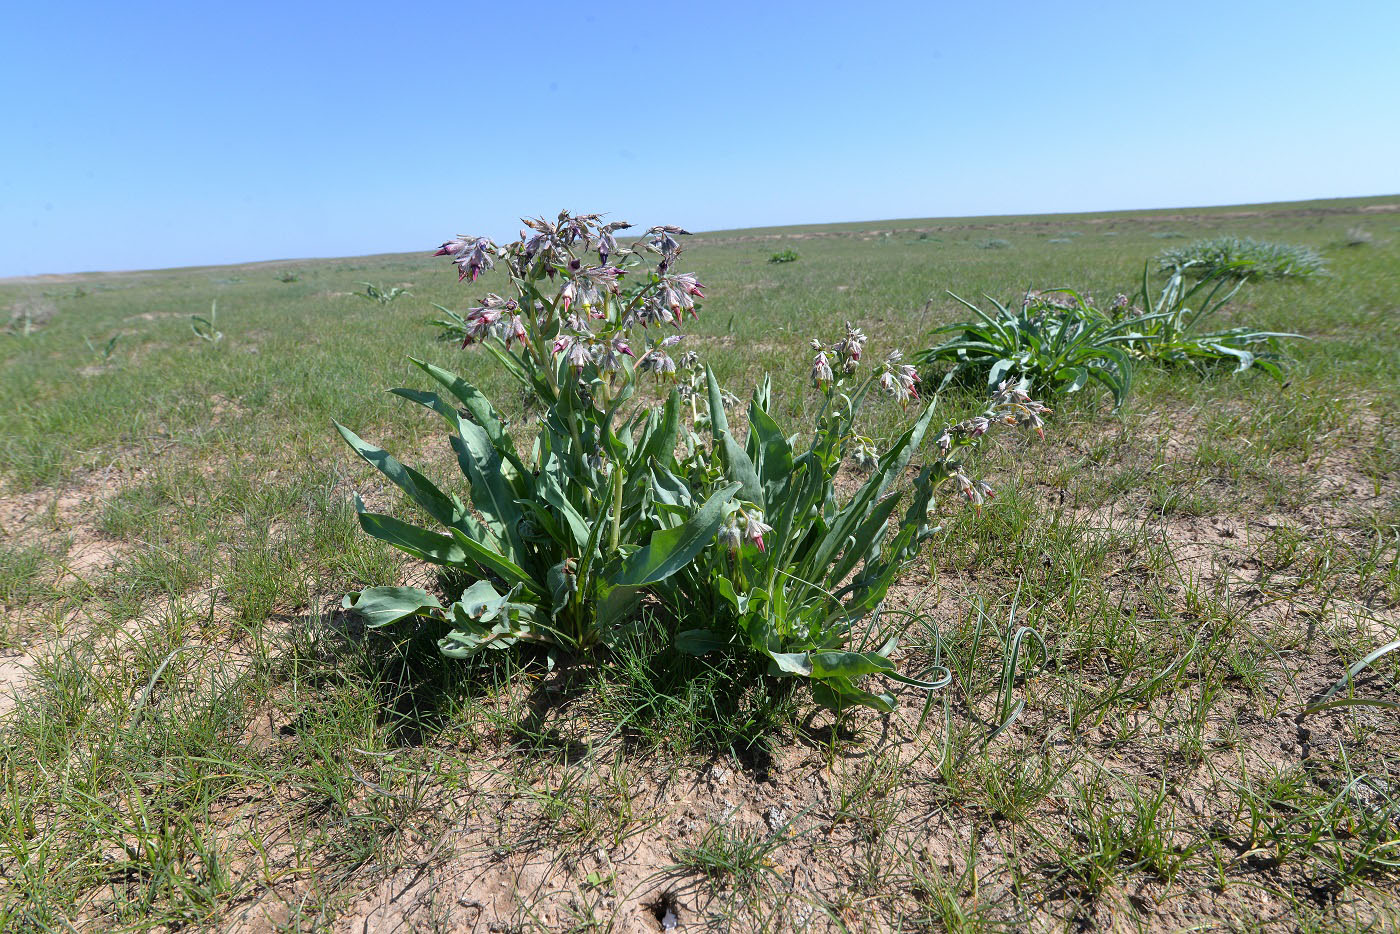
x: 379, y: 294
x: 747, y: 546
x: 1055, y: 340
x: 1243, y: 258
x: 786, y: 256
x: 1168, y: 329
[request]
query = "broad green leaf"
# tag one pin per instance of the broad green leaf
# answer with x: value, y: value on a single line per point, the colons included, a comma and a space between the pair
x: 793, y: 663
x: 737, y: 465
x: 669, y: 550
x: 699, y: 641
x: 837, y: 694
x: 508, y: 570
x: 848, y: 664
x: 422, y: 544
x: 381, y: 606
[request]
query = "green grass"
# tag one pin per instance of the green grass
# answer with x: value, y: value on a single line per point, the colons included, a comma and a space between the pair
x: 204, y: 734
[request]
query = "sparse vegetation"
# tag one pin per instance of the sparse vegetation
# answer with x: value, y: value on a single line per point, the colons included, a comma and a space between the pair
x: 1165, y: 638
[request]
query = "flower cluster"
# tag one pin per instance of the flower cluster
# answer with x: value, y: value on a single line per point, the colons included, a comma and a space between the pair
x: 589, y: 320
x: 471, y: 255
x: 746, y: 522
x: 1011, y: 406
x: 899, y: 380
x: 845, y: 353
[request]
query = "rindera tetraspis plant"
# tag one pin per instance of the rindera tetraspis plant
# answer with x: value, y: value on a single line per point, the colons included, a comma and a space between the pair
x: 803, y: 570
x: 562, y: 538
x: 1055, y: 339
x: 1243, y: 258
x: 1170, y: 328
x: 748, y: 543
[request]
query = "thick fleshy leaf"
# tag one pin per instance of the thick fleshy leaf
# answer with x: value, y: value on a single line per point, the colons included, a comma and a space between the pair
x: 848, y: 664
x: 476, y: 404
x: 793, y: 663
x: 422, y: 544
x: 839, y: 695
x: 382, y: 606
x: 773, y: 457
x: 669, y: 550
x: 508, y: 570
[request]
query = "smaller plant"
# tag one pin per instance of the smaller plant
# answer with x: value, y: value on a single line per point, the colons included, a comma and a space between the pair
x: 1244, y: 258
x: 1056, y: 339
x: 379, y: 294
x: 103, y: 352
x: 1359, y: 236
x: 28, y: 315
x: 1169, y: 331
x: 993, y: 243
x: 206, y: 329
x: 786, y: 256
x: 289, y: 276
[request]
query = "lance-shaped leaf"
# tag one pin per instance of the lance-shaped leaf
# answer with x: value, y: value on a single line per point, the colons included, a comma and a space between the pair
x: 442, y: 507
x: 669, y: 550
x: 422, y: 544
x: 737, y: 465
x: 478, y: 407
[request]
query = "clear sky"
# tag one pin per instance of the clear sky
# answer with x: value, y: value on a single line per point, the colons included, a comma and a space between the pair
x: 140, y: 135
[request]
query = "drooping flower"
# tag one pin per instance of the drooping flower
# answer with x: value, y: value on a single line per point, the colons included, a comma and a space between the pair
x: 729, y: 536
x: 656, y: 361
x: 821, y: 369
x: 899, y: 380
x: 610, y: 357
x: 755, y: 528
x: 850, y: 347
x: 472, y: 255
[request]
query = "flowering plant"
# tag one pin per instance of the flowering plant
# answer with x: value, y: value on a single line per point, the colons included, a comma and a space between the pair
x: 562, y: 539
x: 618, y: 498
x: 800, y: 567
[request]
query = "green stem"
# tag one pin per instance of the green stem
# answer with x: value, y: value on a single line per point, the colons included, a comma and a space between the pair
x: 616, y: 533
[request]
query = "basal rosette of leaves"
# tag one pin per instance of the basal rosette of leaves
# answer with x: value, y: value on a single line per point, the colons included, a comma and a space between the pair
x: 1060, y: 342
x: 1171, y: 328
x: 1054, y: 339
x: 619, y: 498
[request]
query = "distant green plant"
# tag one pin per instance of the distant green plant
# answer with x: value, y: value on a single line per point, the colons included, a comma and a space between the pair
x: 289, y: 276
x: 1359, y: 236
x: 992, y: 243
x: 206, y: 329
x: 1244, y: 258
x: 28, y: 315
x: 379, y: 294
x: 1168, y: 329
x: 104, y: 351
x: 786, y: 256
x: 1055, y: 340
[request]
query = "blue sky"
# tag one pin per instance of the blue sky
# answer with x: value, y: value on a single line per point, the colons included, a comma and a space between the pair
x: 148, y: 135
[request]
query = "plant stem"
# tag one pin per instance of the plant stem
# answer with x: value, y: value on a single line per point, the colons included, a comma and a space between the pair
x: 617, y: 508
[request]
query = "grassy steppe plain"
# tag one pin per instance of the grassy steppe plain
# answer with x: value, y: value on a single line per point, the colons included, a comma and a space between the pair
x: 194, y: 735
